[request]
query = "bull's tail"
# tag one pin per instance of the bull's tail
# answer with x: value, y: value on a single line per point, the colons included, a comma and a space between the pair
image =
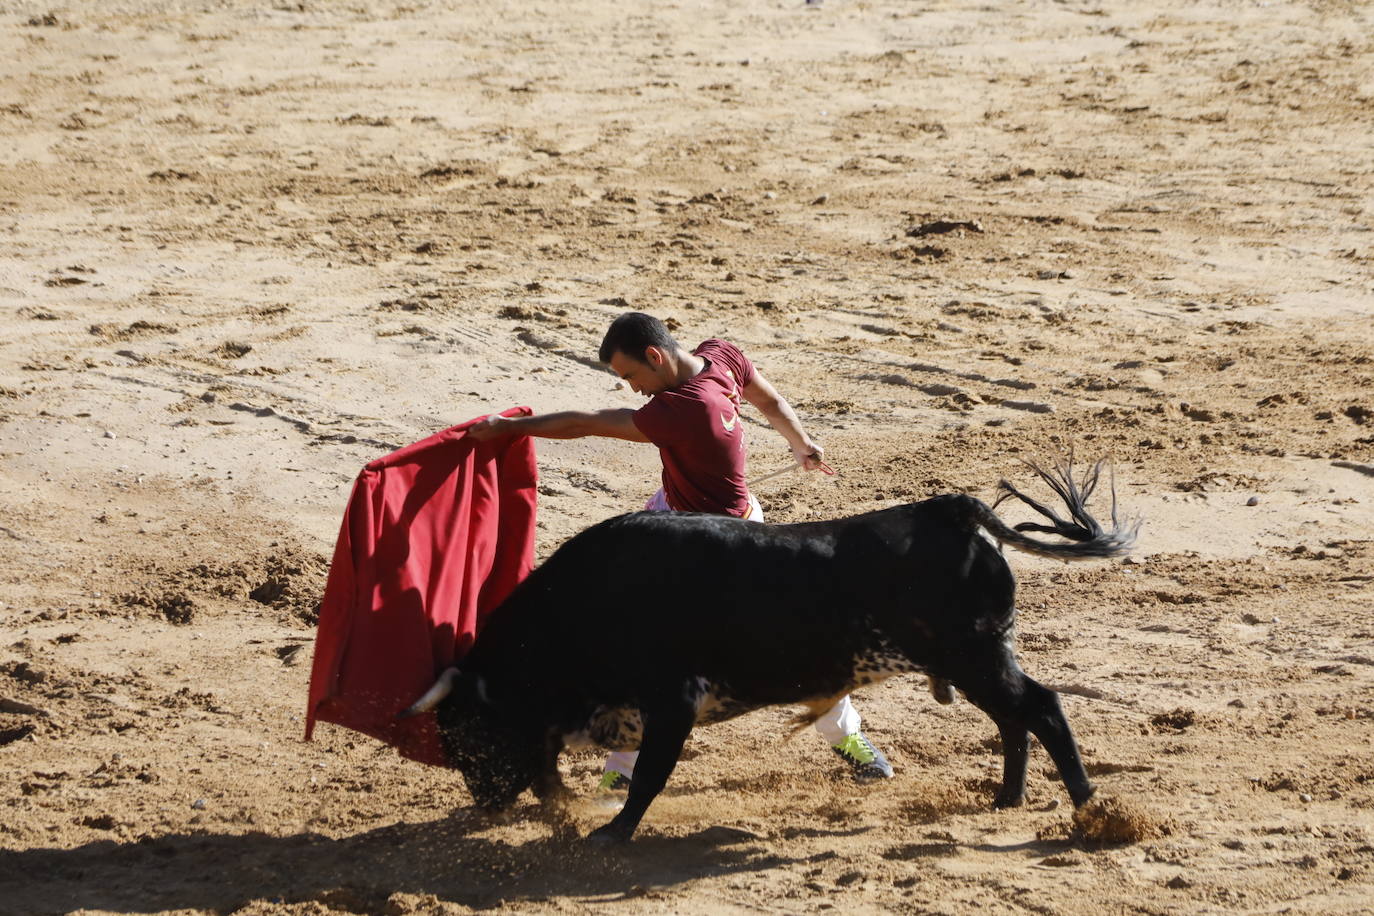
x: 1087, y: 537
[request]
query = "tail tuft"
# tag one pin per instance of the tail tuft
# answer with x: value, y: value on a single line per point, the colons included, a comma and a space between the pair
x: 1089, y: 537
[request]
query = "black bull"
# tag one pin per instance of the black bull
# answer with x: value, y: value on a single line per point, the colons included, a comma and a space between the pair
x: 672, y: 620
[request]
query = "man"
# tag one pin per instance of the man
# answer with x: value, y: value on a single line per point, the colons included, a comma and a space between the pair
x: 693, y: 418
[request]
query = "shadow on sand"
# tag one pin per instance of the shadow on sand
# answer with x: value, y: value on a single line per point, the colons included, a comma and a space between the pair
x: 223, y: 872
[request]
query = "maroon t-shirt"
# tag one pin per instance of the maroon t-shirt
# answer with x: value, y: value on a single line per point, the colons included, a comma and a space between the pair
x: 700, y: 436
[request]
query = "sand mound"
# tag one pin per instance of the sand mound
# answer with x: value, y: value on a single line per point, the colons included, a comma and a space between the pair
x: 1113, y: 821
x: 284, y: 578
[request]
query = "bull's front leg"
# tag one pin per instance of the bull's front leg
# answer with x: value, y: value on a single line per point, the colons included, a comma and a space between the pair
x: 548, y: 782
x: 548, y: 787
x: 668, y: 721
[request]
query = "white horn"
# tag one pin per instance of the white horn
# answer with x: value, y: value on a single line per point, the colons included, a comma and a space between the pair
x: 442, y: 688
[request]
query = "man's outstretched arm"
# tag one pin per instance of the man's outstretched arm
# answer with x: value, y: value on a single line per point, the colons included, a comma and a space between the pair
x: 761, y: 393
x: 615, y: 423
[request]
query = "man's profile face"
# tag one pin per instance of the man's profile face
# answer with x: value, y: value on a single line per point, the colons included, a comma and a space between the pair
x: 645, y: 376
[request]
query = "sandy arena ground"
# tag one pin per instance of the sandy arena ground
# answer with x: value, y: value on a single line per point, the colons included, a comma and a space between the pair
x: 249, y: 246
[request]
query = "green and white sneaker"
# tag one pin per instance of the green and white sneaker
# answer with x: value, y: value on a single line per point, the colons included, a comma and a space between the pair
x: 866, y: 762
x: 611, y: 781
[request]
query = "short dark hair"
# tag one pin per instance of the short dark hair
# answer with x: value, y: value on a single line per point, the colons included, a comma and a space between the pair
x: 634, y: 332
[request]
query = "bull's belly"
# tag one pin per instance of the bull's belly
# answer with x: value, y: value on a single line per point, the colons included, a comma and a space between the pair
x: 621, y: 728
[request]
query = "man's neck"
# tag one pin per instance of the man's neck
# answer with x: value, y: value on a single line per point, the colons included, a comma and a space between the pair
x: 688, y: 366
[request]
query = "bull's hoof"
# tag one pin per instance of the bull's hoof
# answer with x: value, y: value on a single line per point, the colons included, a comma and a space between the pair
x: 607, y: 836
x: 1082, y: 795
x: 1008, y: 800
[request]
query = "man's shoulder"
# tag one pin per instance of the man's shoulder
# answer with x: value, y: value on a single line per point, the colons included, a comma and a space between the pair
x: 726, y: 355
x: 716, y: 345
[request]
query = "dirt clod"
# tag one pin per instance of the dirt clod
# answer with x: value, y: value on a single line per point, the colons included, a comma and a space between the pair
x: 1113, y: 821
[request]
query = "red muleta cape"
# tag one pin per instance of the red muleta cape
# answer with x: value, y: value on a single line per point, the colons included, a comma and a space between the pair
x: 434, y: 537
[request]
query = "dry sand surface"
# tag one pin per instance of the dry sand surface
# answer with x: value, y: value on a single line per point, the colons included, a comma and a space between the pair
x: 249, y: 246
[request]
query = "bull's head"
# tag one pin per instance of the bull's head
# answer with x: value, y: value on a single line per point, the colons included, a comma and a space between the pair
x: 498, y: 759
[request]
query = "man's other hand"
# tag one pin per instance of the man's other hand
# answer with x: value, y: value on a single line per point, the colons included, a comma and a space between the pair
x: 810, y: 456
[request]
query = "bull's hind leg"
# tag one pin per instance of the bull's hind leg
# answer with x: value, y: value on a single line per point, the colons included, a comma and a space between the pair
x: 995, y: 683
x: 1015, y: 756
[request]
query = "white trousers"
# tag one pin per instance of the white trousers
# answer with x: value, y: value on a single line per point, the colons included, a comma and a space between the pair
x: 835, y: 724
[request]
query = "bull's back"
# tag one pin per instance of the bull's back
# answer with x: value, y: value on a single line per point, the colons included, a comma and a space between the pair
x: 656, y: 594
x: 769, y: 611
